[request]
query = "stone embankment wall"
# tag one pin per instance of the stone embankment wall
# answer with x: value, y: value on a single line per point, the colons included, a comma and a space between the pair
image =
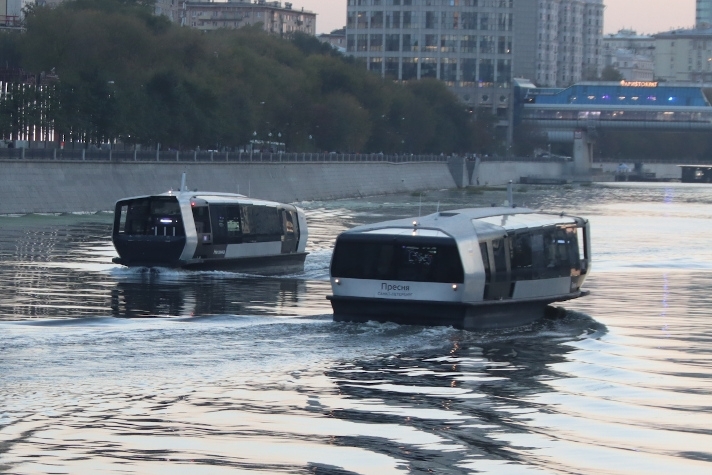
x: 44, y: 187
x: 47, y: 186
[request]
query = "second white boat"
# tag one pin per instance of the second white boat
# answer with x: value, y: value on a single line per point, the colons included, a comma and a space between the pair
x: 471, y: 268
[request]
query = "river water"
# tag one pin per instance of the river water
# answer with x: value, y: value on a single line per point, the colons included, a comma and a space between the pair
x: 109, y: 370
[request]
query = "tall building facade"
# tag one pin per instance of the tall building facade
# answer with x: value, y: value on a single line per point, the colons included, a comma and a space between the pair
x: 558, y: 42
x: 478, y: 46
x: 684, y: 55
x: 703, y: 17
x: 276, y: 18
x: 465, y: 43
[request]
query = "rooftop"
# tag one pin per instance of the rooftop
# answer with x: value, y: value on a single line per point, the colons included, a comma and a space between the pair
x: 686, y: 33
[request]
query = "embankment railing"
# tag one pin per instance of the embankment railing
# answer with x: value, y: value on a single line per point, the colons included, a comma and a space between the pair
x: 233, y: 157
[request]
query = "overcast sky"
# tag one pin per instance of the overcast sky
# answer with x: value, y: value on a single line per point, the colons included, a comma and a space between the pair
x: 645, y: 16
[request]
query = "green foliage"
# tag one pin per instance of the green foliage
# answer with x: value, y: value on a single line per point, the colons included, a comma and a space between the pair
x: 10, y: 55
x: 127, y: 75
x: 527, y: 139
x: 610, y: 73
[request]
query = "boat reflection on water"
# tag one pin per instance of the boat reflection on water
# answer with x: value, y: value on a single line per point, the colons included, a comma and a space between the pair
x: 175, y: 294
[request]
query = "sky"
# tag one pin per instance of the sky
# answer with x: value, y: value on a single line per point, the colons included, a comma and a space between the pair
x: 644, y: 16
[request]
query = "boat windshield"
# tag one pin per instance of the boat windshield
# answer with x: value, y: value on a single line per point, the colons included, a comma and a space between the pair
x: 403, y: 259
x: 153, y: 216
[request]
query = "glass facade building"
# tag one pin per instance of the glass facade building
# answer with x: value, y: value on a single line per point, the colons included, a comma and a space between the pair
x: 620, y: 95
x: 478, y: 46
x: 620, y: 105
x: 558, y: 42
x: 703, y: 18
x: 465, y: 43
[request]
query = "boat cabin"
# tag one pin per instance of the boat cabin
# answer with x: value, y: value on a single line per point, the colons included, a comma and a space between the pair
x: 203, y: 229
x: 461, y: 267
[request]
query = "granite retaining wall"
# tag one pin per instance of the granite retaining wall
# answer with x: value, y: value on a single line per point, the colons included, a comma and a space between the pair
x: 45, y: 187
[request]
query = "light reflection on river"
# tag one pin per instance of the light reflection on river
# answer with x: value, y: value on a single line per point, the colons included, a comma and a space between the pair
x: 236, y: 373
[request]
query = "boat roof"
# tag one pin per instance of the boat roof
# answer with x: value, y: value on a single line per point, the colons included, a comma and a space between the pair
x: 212, y: 197
x: 486, y: 222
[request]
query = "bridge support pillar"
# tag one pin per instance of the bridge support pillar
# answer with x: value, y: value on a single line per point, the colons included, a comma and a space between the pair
x: 583, y: 153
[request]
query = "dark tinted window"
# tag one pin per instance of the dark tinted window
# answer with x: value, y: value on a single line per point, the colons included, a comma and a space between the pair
x: 291, y: 225
x: 150, y: 216
x: 561, y: 251
x: 261, y: 223
x: 500, y: 260
x: 201, y: 216
x: 485, y: 261
x: 226, y: 224
x: 520, y: 256
x: 402, y: 259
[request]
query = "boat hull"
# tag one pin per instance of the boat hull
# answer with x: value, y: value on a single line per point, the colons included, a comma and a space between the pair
x: 262, y: 265
x: 482, y: 316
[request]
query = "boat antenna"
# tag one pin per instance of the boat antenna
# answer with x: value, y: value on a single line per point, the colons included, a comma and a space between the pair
x: 420, y: 203
x: 182, y: 183
x: 438, y: 210
x: 510, y: 195
x: 248, y: 188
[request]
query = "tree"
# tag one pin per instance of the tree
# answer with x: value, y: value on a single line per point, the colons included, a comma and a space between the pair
x: 610, y: 73
x: 126, y: 75
x: 527, y: 138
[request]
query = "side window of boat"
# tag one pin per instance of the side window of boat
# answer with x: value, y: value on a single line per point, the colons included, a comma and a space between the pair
x: 226, y: 224
x: 201, y: 216
x: 121, y: 214
x: 500, y: 259
x: 520, y: 256
x: 561, y: 252
x: 261, y: 223
x: 295, y: 222
x: 289, y: 227
x: 246, y: 217
x: 572, y: 248
x: 521, y: 251
x: 232, y: 217
x: 485, y: 261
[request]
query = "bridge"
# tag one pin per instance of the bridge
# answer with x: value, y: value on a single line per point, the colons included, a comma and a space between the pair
x: 574, y: 114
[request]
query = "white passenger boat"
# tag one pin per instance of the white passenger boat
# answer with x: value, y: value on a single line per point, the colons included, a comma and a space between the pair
x: 201, y: 229
x: 471, y: 268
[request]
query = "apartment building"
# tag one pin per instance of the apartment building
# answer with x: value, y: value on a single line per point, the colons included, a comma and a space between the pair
x: 558, y: 42
x: 276, y: 18
x: 703, y: 18
x: 684, y: 55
